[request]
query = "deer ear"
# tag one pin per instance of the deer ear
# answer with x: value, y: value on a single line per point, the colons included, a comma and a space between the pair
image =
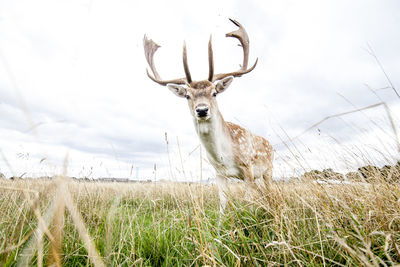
x: 177, y: 89
x: 221, y: 85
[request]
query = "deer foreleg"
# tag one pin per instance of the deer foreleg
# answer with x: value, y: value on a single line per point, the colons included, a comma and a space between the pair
x: 222, y: 190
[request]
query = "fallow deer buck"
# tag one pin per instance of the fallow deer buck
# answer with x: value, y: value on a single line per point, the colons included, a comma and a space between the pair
x: 232, y: 150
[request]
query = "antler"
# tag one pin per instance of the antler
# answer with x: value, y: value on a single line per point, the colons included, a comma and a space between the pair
x: 150, y: 47
x: 210, y: 61
x: 185, y: 64
x: 240, y: 34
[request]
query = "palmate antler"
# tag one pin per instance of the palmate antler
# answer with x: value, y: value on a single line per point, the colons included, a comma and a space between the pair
x: 150, y: 47
x: 240, y: 34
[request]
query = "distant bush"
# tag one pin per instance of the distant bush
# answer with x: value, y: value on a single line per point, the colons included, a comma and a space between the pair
x: 312, y: 175
x: 325, y: 175
x: 370, y: 173
x: 354, y: 177
x: 330, y: 174
x: 388, y: 173
x: 391, y: 174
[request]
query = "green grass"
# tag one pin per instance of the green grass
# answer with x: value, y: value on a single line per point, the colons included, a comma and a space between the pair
x: 177, y: 224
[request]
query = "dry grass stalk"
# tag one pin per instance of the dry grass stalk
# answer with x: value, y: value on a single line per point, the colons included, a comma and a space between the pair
x: 80, y: 226
x: 55, y: 253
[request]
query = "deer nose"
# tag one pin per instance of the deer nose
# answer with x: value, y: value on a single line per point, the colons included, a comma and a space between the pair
x: 202, y: 110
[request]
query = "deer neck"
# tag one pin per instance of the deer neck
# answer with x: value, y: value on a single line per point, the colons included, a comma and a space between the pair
x: 215, y: 137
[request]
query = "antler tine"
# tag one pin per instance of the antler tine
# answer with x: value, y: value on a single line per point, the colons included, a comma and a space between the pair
x: 242, y: 36
x: 150, y: 47
x: 210, y: 61
x: 185, y: 64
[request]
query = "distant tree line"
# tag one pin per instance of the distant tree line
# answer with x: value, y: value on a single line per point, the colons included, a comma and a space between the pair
x: 368, y: 173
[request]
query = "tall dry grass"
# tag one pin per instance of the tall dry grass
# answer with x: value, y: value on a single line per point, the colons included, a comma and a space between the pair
x: 70, y: 223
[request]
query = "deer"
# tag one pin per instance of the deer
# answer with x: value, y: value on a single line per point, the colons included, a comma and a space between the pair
x: 232, y: 150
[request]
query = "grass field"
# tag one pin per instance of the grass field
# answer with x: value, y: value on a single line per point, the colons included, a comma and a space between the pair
x: 70, y: 223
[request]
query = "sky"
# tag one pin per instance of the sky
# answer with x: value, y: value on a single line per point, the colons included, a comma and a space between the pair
x: 75, y: 98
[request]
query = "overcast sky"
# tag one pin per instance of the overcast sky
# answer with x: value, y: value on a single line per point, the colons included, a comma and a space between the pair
x: 73, y: 84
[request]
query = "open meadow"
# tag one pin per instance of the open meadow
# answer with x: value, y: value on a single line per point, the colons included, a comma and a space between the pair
x: 72, y: 223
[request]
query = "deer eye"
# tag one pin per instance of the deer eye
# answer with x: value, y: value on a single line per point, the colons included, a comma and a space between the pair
x: 187, y: 97
x: 214, y: 94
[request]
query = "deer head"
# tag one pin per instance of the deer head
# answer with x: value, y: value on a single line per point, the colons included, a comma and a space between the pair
x: 201, y: 94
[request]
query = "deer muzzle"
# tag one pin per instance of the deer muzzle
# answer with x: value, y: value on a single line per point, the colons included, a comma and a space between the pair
x: 202, y: 111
